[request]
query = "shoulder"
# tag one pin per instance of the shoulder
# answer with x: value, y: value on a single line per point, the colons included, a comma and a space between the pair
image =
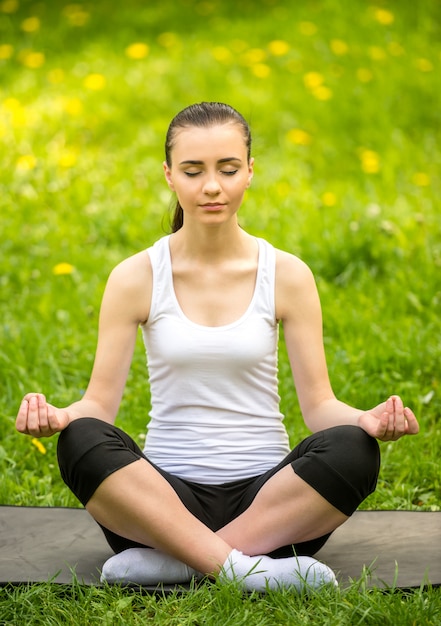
x: 291, y: 271
x: 295, y: 284
x: 129, y: 286
x: 132, y: 270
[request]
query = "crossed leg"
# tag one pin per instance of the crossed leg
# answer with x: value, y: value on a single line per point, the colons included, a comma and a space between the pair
x: 286, y: 510
x: 131, y: 498
x: 136, y: 502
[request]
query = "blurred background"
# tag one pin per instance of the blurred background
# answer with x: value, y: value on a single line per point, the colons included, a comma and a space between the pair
x: 343, y: 99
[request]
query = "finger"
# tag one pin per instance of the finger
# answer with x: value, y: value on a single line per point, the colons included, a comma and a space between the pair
x: 387, y: 424
x: 413, y: 427
x: 33, y: 425
x: 390, y: 405
x: 54, y: 424
x: 382, y: 430
x: 52, y: 418
x: 21, y: 422
x: 398, y: 403
x: 390, y: 422
x: 32, y: 394
x: 400, y: 424
x: 42, y: 413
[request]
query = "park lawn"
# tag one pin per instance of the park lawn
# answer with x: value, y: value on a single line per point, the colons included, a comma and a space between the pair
x: 343, y: 101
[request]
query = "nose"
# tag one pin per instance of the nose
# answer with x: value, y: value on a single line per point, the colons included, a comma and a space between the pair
x: 211, y: 185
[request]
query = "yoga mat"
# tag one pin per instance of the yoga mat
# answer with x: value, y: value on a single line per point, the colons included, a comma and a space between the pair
x: 400, y: 548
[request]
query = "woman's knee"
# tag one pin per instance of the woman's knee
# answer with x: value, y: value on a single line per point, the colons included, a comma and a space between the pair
x: 89, y: 450
x: 342, y: 464
x: 366, y: 448
x: 356, y: 454
x: 78, y: 438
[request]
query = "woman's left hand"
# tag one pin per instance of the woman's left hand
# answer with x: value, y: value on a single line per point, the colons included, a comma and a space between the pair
x: 389, y: 420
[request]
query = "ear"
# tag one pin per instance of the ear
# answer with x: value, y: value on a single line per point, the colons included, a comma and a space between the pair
x: 168, y: 175
x: 250, y: 172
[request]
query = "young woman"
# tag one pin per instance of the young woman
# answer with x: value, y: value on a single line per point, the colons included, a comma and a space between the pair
x: 216, y: 490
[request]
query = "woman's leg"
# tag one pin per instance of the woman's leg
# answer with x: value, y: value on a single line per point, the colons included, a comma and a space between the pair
x: 130, y: 498
x: 138, y: 503
x: 310, y: 494
x: 285, y: 511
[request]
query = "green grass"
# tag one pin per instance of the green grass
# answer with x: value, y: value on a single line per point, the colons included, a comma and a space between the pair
x: 213, y: 605
x: 343, y: 99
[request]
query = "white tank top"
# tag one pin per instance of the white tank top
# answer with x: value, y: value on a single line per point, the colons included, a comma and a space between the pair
x: 215, y: 414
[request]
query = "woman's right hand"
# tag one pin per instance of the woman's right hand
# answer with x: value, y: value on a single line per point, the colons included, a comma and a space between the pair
x: 38, y: 418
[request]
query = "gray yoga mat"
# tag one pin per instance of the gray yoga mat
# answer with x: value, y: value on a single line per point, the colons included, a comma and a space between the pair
x: 398, y: 548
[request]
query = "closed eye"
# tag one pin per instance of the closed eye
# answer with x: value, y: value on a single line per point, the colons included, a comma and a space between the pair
x: 225, y: 172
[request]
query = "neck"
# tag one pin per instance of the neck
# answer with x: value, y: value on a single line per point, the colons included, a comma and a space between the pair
x: 211, y: 244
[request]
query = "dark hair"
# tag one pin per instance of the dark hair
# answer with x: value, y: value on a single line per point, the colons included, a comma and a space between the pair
x: 204, y: 114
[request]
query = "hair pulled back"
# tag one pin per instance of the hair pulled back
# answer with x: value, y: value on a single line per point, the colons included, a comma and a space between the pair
x: 203, y: 114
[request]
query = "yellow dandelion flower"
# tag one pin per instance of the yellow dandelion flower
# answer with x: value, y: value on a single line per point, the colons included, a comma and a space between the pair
x: 278, y: 47
x: 329, y: 198
x: 67, y: 159
x: 424, y: 65
x: 376, y: 53
x: 62, y: 269
x: 19, y: 118
x: 9, y: 6
x: 322, y: 93
x: 6, y: 51
x: 168, y: 40
x: 421, y: 179
x: 26, y: 162
x: 16, y: 111
x: 3, y: 129
x: 95, y: 82
x: 73, y: 106
x: 11, y: 104
x: 364, y: 75
x: 313, y: 80
x: 395, y: 49
x: 76, y: 14
x: 299, y: 137
x: 55, y: 76
x: 339, y: 47
x: 30, y: 24
x: 383, y: 16
x: 370, y: 161
x: 222, y: 54
x: 40, y: 447
x: 32, y: 60
x: 137, y: 50
x: 307, y: 28
x: 261, y: 70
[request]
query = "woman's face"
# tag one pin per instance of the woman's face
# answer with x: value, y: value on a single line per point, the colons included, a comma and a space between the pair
x: 209, y: 171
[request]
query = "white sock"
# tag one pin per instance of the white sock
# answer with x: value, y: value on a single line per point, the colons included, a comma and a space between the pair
x: 146, y: 566
x: 262, y: 572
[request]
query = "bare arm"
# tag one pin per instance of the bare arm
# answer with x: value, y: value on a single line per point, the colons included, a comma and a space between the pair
x: 125, y: 304
x: 298, y: 308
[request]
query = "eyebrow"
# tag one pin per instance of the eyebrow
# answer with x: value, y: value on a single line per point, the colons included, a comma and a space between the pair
x: 225, y: 160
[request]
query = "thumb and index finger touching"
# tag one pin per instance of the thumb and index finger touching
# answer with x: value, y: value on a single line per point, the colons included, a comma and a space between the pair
x: 38, y: 418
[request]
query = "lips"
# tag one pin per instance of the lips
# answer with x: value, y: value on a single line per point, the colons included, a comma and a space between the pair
x: 214, y: 206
